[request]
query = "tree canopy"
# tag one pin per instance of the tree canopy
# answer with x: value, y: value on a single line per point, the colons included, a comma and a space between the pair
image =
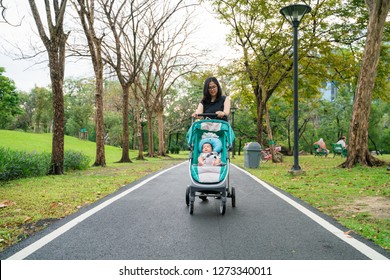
x: 9, y: 100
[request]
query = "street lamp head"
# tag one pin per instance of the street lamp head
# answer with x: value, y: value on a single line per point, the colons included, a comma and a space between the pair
x: 295, y: 12
x: 233, y: 109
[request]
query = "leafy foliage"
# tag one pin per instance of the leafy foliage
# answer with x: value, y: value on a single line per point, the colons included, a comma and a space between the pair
x: 21, y: 164
x: 43, y: 114
x: 79, y: 105
x: 74, y: 160
x: 9, y: 100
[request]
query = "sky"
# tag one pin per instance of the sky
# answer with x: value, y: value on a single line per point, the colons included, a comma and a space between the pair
x: 27, y: 74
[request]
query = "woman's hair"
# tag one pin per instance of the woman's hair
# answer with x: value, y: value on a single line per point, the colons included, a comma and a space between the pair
x: 206, y: 94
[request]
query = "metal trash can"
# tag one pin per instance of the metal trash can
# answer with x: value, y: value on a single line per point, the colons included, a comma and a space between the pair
x: 252, y: 155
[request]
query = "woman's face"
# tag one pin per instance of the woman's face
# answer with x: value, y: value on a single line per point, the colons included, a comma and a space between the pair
x: 213, y: 89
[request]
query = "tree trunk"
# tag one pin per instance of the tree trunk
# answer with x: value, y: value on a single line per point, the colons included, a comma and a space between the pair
x: 139, y: 130
x: 373, y: 143
x: 57, y: 77
x: 125, y: 125
x: 275, y: 158
x: 150, y: 135
x: 161, y: 134
x: 260, y: 119
x: 358, y: 135
x: 99, y: 121
x: 55, y: 47
x: 289, y: 134
x: 94, y: 45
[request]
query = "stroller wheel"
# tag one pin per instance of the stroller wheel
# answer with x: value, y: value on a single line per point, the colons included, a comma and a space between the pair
x: 188, y: 196
x: 191, y: 208
x: 222, y: 208
x: 233, y: 196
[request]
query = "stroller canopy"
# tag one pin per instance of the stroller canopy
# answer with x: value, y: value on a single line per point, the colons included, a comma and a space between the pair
x: 221, y: 128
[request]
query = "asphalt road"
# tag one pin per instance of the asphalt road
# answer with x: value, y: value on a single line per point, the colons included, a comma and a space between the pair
x: 149, y: 220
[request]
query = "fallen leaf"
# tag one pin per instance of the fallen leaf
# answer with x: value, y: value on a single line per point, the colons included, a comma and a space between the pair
x: 5, y: 203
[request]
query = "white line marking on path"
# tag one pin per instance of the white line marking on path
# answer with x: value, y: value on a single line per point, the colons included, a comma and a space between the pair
x: 361, y: 247
x: 25, y: 252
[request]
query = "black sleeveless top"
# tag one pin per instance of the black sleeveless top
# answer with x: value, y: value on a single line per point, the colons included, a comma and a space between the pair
x: 212, y: 107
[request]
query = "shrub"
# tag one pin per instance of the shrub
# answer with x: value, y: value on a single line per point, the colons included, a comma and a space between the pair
x: 20, y: 164
x: 75, y: 160
x: 174, y: 149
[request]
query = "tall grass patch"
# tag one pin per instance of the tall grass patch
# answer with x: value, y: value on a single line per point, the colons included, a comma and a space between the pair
x: 21, y: 164
x: 74, y: 160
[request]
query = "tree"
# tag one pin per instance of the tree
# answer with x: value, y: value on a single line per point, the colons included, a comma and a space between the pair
x: 123, y: 54
x: 130, y: 37
x: 9, y: 100
x: 266, y: 47
x: 79, y: 105
x: 358, y: 134
x: 168, y: 58
x: 86, y: 12
x: 55, y: 43
x: 42, y: 98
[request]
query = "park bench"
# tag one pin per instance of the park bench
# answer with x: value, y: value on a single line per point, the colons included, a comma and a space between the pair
x: 338, y: 150
x: 318, y: 151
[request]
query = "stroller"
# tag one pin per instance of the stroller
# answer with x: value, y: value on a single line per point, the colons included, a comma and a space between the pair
x: 209, y: 180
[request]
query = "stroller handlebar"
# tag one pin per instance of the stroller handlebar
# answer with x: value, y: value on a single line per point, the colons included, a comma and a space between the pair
x: 205, y: 115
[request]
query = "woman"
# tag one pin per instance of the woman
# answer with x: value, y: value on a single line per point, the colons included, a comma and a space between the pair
x: 342, y: 141
x: 213, y: 101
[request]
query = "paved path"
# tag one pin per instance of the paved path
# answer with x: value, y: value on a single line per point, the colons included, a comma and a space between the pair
x: 149, y: 220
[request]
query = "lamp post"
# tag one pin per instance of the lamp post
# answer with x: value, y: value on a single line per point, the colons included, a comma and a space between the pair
x: 233, y: 110
x: 294, y: 14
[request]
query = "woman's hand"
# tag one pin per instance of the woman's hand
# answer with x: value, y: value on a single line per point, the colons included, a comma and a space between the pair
x: 220, y: 114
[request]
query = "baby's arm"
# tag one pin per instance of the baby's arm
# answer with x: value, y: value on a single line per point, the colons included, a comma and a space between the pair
x: 200, y: 160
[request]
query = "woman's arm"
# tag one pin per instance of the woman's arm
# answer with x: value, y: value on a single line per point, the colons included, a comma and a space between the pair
x: 226, y: 108
x: 199, y: 110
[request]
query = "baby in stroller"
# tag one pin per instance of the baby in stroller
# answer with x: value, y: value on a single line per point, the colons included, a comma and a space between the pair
x: 208, y: 156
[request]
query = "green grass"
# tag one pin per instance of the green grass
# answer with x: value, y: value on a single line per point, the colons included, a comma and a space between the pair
x: 41, y: 142
x: 358, y: 198
x: 28, y: 205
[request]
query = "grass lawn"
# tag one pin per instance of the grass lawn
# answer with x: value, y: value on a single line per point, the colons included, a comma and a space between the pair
x: 358, y: 198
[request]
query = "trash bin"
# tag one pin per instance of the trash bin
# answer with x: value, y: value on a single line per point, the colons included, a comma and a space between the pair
x: 252, y: 154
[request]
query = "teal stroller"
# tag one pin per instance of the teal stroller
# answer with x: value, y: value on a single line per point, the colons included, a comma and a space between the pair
x: 210, y: 180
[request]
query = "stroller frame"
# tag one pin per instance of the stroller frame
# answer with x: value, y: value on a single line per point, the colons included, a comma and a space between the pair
x: 221, y: 189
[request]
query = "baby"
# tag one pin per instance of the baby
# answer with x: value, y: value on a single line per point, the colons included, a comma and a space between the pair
x: 208, y: 157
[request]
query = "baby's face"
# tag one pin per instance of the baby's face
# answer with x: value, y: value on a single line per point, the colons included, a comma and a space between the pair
x: 207, y: 148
